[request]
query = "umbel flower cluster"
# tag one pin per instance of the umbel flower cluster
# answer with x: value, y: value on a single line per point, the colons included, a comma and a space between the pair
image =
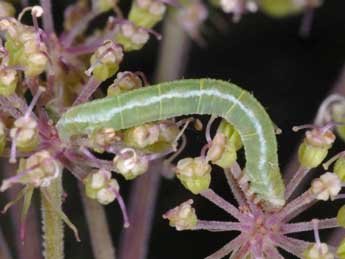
x: 42, y: 74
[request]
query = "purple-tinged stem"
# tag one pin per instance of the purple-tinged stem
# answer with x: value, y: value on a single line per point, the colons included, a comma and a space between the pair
x: 83, y: 49
x: 295, y: 181
x: 307, y: 22
x: 4, y: 249
x: 233, y: 245
x: 88, y: 89
x: 48, y: 21
x: 291, y: 245
x: 236, y: 190
x: 32, y: 243
x: 303, y: 200
x: 98, y: 228
x: 242, y: 252
x: 218, y: 226
x: 134, y: 240
x: 79, y: 28
x: 307, y: 226
x: 273, y: 253
x: 223, y: 204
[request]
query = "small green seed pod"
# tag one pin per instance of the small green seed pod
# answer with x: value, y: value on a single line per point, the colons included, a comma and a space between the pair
x: 231, y: 133
x: 102, y: 138
x: 315, y: 148
x: 142, y: 136
x: 341, y: 250
x: 105, y: 62
x: 341, y: 216
x: 25, y: 133
x: 131, y: 37
x: 221, y: 152
x: 8, y: 81
x: 104, y: 5
x: 339, y: 168
x: 318, y: 251
x: 130, y: 164
x: 2, y: 136
x: 146, y: 13
x: 124, y: 82
x: 338, y: 115
x: 194, y: 174
x: 35, y: 64
x: 182, y: 217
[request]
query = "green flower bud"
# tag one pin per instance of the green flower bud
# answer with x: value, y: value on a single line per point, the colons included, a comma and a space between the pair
x: 146, y: 13
x: 101, y: 187
x: 25, y: 133
x: 2, y: 136
x: 182, y: 217
x: 105, y: 62
x: 339, y: 168
x: 7, y: 9
x: 131, y: 37
x: 341, y: 250
x: 125, y: 81
x: 326, y: 187
x: 280, y: 8
x: 142, y: 136
x: 231, y: 133
x: 341, y: 216
x: 221, y: 152
x: 194, y: 174
x: 315, y: 147
x: 318, y: 251
x: 8, y: 81
x: 129, y: 164
x: 102, y: 138
x: 35, y: 64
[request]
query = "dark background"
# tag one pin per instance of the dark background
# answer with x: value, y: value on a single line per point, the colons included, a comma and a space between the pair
x: 290, y: 76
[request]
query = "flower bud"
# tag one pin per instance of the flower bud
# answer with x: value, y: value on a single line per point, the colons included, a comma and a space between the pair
x: 341, y: 216
x: 102, y: 138
x: 315, y: 147
x: 231, y: 133
x: 142, y: 136
x: 326, y: 187
x: 221, y: 152
x: 129, y: 164
x: 194, y: 174
x: 105, y: 62
x: 182, y: 217
x: 318, y: 251
x: 7, y: 9
x: 146, y: 13
x: 2, y: 136
x: 131, y: 37
x: 124, y: 82
x: 339, y: 168
x: 101, y: 187
x: 25, y: 134
x: 8, y: 81
x: 341, y: 250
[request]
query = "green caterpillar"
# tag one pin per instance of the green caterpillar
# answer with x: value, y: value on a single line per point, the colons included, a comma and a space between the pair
x: 183, y: 97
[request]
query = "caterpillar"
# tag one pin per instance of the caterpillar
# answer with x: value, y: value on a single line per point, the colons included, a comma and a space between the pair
x: 185, y: 97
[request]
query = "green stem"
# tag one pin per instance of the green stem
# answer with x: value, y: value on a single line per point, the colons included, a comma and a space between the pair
x: 98, y: 228
x: 52, y: 224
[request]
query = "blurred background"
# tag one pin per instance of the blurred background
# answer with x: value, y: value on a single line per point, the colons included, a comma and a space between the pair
x: 289, y: 74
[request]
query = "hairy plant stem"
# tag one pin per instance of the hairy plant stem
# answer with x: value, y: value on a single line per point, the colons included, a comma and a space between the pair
x: 98, y: 228
x: 51, y: 222
x: 171, y: 63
